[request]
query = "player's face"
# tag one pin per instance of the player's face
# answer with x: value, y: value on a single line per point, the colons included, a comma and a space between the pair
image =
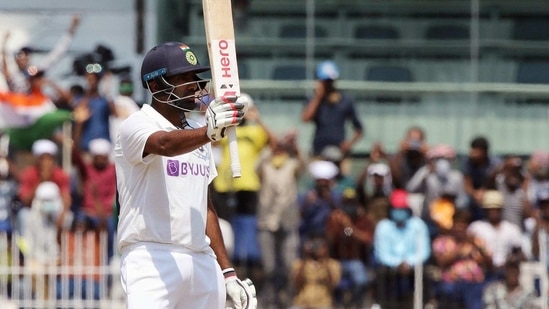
x: 186, y: 91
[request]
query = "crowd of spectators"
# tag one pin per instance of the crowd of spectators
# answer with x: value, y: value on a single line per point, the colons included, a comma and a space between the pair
x: 313, y: 228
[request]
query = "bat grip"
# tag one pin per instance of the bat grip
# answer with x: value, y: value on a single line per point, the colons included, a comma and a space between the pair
x: 233, y: 152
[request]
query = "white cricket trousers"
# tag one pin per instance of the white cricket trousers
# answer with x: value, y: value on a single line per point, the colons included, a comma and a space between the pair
x: 164, y: 276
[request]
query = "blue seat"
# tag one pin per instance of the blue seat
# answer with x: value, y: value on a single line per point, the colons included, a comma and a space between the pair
x: 243, y: 70
x: 388, y: 73
x: 531, y: 29
x: 289, y: 72
x: 299, y: 31
x: 447, y: 32
x: 376, y: 32
x: 533, y: 72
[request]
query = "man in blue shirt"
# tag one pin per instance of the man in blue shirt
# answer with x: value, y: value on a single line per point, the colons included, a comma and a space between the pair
x: 401, y: 241
x: 330, y: 109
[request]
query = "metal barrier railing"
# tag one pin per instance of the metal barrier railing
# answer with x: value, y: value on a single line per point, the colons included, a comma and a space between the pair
x: 83, y: 277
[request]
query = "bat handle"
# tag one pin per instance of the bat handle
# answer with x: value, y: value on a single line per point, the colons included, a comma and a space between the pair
x: 233, y: 152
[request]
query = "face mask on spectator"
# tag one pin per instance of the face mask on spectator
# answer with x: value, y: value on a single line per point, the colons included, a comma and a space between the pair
x: 399, y: 215
x: 443, y: 168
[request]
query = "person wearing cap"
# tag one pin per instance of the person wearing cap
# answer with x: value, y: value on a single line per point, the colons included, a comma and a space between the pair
x: 330, y: 110
x: 401, y: 241
x: 373, y: 190
x: 316, y: 202
x: 98, y: 181
x: 374, y: 184
x: 18, y: 81
x: 39, y: 241
x: 500, y: 236
x: 343, y: 179
x: 45, y: 168
x: 172, y: 250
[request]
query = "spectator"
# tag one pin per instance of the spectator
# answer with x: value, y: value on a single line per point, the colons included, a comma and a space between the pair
x: 500, y: 236
x: 17, y: 81
x: 238, y: 198
x: 100, y: 108
x: 124, y: 104
x: 377, y: 201
x: 98, y: 181
x: 279, y: 170
x: 537, y: 175
x: 350, y: 235
x: 40, y: 245
x: 316, y: 203
x: 31, y: 116
x: 509, y: 293
x: 477, y: 169
x: 542, y: 225
x: 44, y: 169
x: 400, y: 243
x: 375, y: 184
x: 410, y: 157
x: 509, y: 180
x: 9, y: 182
x: 343, y: 180
x: 439, y: 183
x: 315, y: 276
x: 461, y: 260
x: 330, y: 109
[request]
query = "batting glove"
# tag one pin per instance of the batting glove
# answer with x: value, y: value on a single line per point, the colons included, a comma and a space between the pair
x: 224, y: 112
x: 242, y: 293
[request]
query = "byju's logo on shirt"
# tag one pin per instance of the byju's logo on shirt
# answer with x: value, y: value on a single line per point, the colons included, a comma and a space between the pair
x: 176, y: 168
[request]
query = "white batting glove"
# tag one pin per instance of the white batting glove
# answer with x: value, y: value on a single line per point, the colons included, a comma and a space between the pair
x: 242, y: 293
x: 224, y: 112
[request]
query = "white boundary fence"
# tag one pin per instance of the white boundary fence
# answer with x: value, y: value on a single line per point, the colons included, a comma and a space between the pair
x: 82, y: 260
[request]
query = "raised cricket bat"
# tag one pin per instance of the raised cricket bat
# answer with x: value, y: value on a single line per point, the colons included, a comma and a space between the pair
x: 218, y: 20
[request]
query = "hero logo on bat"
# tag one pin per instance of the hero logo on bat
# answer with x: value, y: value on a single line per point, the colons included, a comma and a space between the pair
x: 226, y: 72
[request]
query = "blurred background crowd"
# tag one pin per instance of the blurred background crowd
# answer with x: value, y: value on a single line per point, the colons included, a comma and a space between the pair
x: 332, y: 210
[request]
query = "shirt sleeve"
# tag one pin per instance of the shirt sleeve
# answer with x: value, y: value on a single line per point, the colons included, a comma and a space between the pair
x: 134, y: 133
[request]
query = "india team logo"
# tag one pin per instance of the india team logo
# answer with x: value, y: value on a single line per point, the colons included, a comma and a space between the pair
x: 172, y: 168
x: 191, y: 58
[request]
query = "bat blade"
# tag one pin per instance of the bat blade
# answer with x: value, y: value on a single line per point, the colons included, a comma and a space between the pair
x: 218, y: 22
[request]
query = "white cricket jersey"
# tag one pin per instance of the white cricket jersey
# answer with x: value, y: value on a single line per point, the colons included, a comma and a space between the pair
x: 162, y: 199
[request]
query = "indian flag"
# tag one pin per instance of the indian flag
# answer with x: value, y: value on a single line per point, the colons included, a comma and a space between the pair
x: 29, y: 117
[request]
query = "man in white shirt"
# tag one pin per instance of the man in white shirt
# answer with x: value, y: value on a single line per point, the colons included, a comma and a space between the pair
x: 501, y: 237
x: 172, y: 252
